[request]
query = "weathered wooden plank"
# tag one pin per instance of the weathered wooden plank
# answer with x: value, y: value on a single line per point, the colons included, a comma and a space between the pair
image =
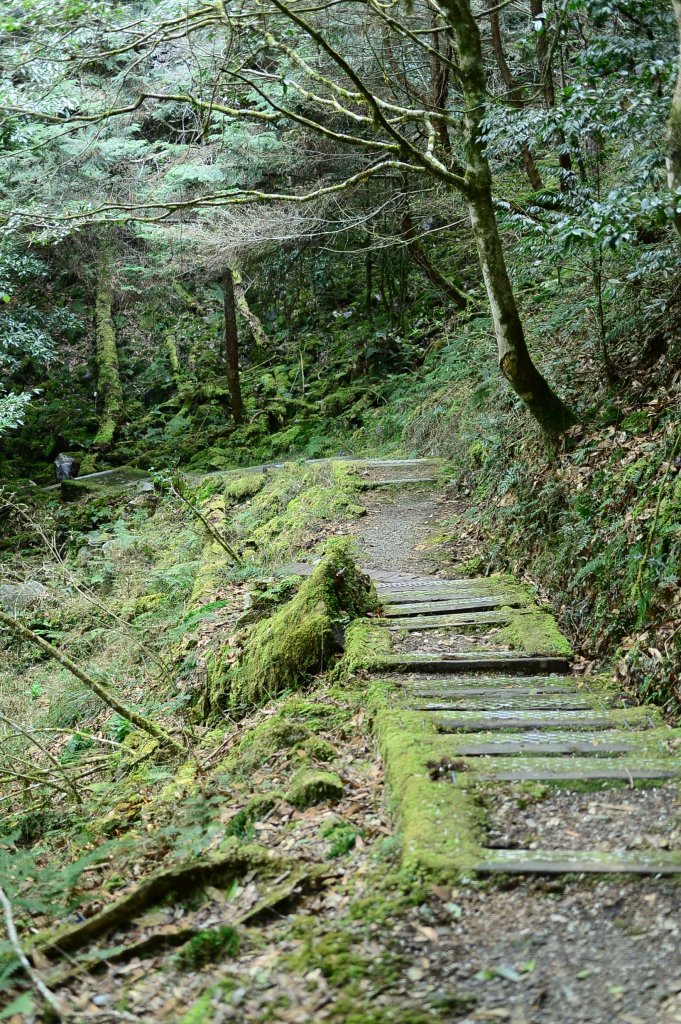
x: 468, y: 662
x: 493, y: 721
x: 538, y: 748
x: 446, y: 604
x: 463, y: 622
x: 622, y: 774
x: 367, y: 485
x: 488, y: 688
x: 506, y: 702
x: 562, y: 862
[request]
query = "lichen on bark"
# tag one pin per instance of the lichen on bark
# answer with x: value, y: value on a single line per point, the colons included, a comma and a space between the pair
x: 109, y: 380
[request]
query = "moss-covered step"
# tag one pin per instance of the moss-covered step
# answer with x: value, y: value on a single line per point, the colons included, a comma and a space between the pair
x: 464, y: 661
x: 450, y: 604
x: 548, y: 745
x: 463, y: 622
x: 495, y: 721
x: 564, y: 862
x: 506, y: 701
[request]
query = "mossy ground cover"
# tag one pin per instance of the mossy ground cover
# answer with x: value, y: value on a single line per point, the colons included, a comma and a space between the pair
x: 141, y: 814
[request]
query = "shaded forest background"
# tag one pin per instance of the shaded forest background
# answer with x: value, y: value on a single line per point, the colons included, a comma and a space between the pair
x: 139, y: 145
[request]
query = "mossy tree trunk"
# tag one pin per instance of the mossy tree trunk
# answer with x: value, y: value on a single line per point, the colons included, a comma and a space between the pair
x: 173, y: 359
x: 674, y: 134
x: 515, y: 362
x: 260, y: 339
x: 109, y: 380
x: 232, y: 348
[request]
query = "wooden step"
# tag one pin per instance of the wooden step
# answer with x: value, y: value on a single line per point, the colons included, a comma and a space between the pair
x: 506, y: 701
x: 580, y: 769
x: 488, y: 687
x: 436, y: 591
x: 463, y: 622
x: 453, y: 605
x: 563, y: 862
x: 536, y: 746
x: 494, y: 721
x: 469, y: 662
x: 367, y: 485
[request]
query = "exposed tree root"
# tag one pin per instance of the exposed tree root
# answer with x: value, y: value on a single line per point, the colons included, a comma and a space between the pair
x: 231, y: 861
x: 299, y: 881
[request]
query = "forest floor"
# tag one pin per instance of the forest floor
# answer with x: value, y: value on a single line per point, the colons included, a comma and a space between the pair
x: 359, y: 940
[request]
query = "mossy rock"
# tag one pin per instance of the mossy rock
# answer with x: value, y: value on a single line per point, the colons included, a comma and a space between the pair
x: 241, y: 488
x: 297, y: 642
x: 319, y: 749
x: 260, y: 743
x: 309, y: 788
x: 256, y: 809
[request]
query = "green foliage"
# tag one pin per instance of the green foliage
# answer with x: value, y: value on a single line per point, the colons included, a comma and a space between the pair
x: 208, y: 947
x: 341, y: 837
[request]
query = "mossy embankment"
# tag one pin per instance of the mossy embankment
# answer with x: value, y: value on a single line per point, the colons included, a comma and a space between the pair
x: 299, y: 639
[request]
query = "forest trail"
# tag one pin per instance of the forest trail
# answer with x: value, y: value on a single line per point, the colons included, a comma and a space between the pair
x: 487, y: 674
x: 533, y: 772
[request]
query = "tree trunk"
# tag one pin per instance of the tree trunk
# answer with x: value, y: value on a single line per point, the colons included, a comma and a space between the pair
x: 674, y: 134
x: 232, y: 348
x: 257, y: 330
x: 513, y: 91
x: 439, y: 77
x: 515, y: 362
x: 549, y: 90
x: 109, y: 381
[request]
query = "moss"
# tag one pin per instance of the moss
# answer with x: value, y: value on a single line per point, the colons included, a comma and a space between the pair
x: 314, y: 787
x: 208, y: 947
x: 140, y: 606
x: 366, y: 644
x: 241, y: 488
x: 341, y: 837
x: 214, y: 559
x: 292, y: 509
x: 439, y: 824
x: 263, y: 741
x: 256, y: 809
x: 533, y: 632
x: 319, y: 749
x: 184, y: 782
x: 297, y: 641
x: 334, y: 956
x: 202, y: 1010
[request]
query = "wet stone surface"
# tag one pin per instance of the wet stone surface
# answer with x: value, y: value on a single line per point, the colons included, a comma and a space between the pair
x: 608, y: 820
